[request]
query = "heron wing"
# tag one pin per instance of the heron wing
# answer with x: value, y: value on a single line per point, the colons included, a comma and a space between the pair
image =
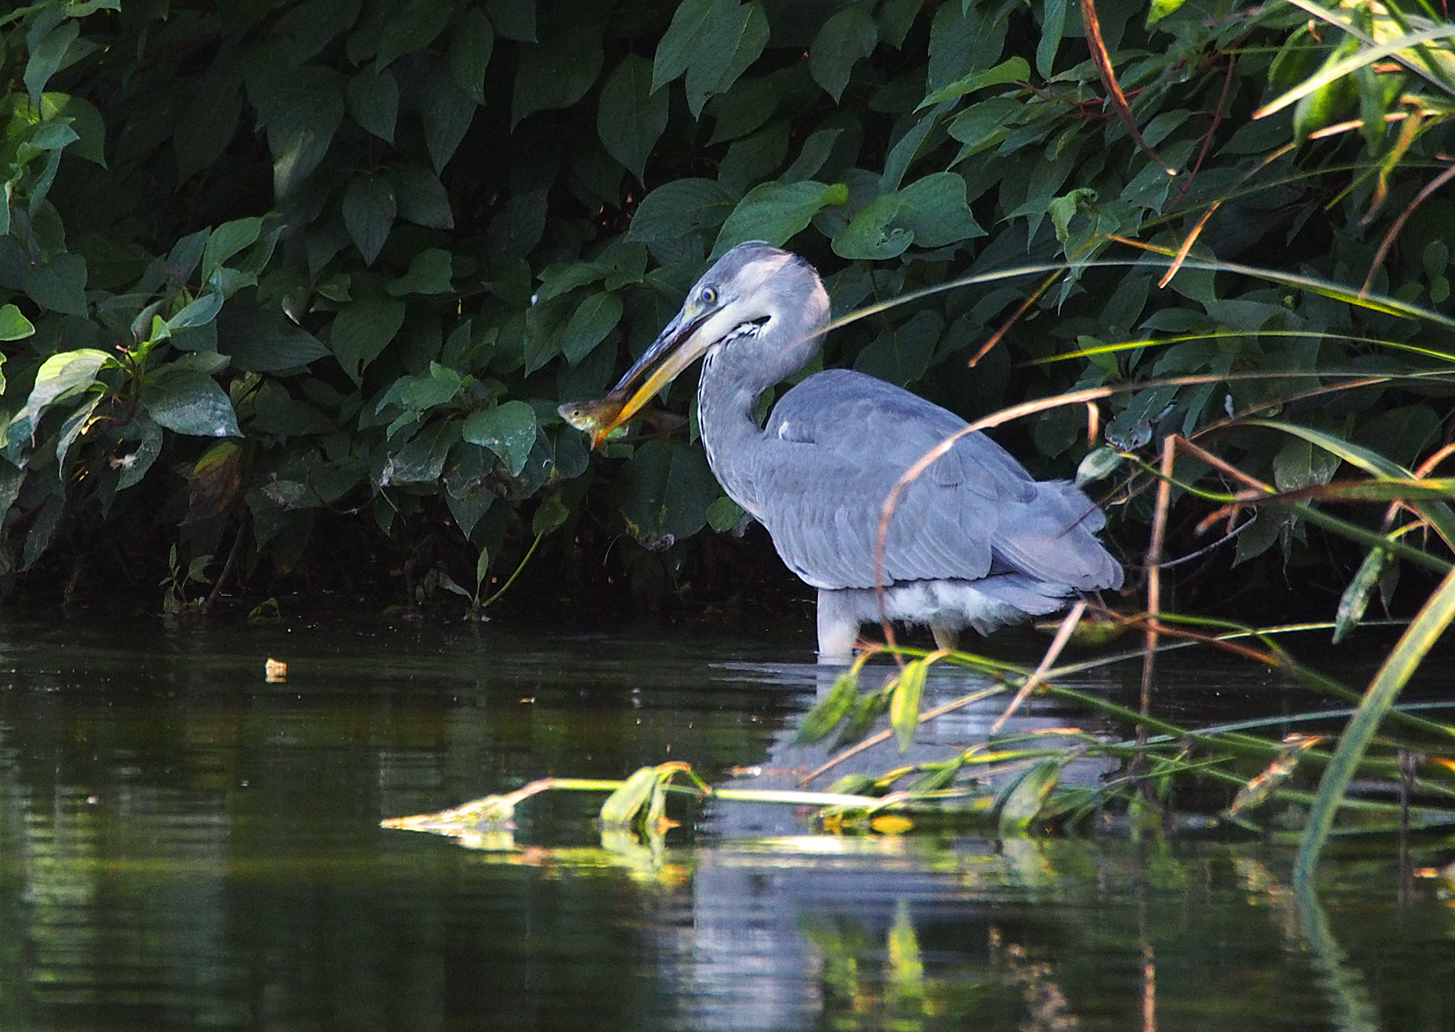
x: 836, y: 445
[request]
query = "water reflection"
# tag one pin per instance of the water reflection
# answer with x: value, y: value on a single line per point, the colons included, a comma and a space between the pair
x: 183, y: 845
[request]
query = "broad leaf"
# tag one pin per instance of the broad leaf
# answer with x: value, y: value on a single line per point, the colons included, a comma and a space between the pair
x: 369, y: 208
x: 774, y: 212
x: 679, y: 207
x: 471, y: 42
x: 361, y: 332
x: 509, y: 430
x: 556, y: 73
x: 589, y: 324
x: 630, y: 118
x: 189, y: 402
x: 373, y: 102
x: 845, y: 38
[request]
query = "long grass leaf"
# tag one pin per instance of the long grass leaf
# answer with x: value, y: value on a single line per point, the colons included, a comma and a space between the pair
x: 1397, y: 669
x: 1440, y: 515
x: 1364, y: 57
x: 1356, y: 596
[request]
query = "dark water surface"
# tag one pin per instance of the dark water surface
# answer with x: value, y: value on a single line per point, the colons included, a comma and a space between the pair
x: 183, y: 846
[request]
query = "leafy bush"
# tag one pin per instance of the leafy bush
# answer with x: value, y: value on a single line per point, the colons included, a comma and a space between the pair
x: 270, y: 262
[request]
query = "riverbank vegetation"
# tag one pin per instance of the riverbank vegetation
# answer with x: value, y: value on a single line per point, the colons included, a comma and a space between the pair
x: 290, y: 292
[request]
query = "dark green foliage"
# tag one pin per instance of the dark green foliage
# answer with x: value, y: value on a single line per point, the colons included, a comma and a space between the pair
x: 378, y: 242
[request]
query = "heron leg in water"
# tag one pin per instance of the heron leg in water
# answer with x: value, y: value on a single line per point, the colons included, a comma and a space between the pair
x: 946, y: 638
x: 838, y: 628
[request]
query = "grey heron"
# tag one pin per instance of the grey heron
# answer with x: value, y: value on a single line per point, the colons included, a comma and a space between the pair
x: 975, y: 541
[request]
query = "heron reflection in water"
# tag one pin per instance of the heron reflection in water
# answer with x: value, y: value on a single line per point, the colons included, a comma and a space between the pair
x: 974, y: 540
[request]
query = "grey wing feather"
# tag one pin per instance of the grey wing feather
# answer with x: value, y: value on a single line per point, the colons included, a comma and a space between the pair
x: 835, y: 446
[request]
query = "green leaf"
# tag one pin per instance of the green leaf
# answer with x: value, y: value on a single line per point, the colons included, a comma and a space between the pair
x: 844, y: 39
x: 74, y: 426
x: 773, y: 212
x: 429, y: 390
x: 361, y: 332
x: 46, y: 56
x: 14, y: 325
x: 731, y: 43
x: 513, y: 19
x: 134, y: 465
x: 1161, y: 9
x: 42, y: 530
x: 934, y: 210
x: 264, y: 340
x: 1356, y: 596
x: 447, y: 113
x: 724, y: 514
x: 623, y: 805
x: 57, y: 376
x: 59, y: 285
x: 471, y: 44
x: 829, y: 710
x: 1026, y: 798
x: 369, y: 208
x: 1398, y: 667
x: 630, y: 118
x: 589, y: 324
x: 85, y: 121
x: 373, y: 102
x: 869, y: 237
x: 189, y: 402
x: 1012, y: 70
x: 549, y: 516
x: 508, y: 430
x: 1053, y: 26
x: 556, y: 73
x: 421, y: 197
x: 411, y: 29
x: 665, y: 491
x: 300, y: 129
x: 904, y: 703
x: 429, y: 273
x: 199, y: 312
x: 677, y: 208
x: 227, y: 240
x: 690, y: 22
x: 422, y: 460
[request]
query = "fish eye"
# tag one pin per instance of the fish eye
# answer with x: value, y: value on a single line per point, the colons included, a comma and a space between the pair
x: 708, y: 296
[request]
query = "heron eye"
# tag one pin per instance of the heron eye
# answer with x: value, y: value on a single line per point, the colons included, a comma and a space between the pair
x: 709, y: 296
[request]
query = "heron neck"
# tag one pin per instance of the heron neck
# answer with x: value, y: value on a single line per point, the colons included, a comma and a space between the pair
x: 727, y: 399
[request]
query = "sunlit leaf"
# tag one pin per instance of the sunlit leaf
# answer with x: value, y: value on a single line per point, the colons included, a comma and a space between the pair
x: 904, y: 703
x: 13, y: 324
x: 829, y: 710
x: 624, y: 805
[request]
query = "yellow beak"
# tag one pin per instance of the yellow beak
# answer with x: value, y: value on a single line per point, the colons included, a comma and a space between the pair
x: 679, y: 342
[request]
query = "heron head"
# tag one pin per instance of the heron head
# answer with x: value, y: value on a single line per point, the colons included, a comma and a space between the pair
x: 752, y: 287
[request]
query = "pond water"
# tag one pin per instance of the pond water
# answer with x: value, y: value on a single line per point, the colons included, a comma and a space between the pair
x: 184, y: 846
